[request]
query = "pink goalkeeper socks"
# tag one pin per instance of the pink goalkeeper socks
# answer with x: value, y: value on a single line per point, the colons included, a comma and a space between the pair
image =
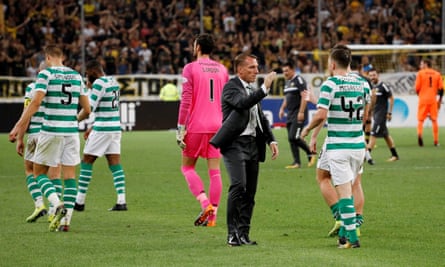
x: 215, y: 187
x: 195, y: 185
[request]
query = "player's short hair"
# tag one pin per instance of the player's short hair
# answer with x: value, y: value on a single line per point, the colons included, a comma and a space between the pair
x: 93, y: 65
x: 355, y: 65
x: 427, y: 62
x: 373, y: 69
x: 288, y: 64
x: 341, y: 54
x: 240, y: 59
x: 53, y: 50
x: 206, y: 42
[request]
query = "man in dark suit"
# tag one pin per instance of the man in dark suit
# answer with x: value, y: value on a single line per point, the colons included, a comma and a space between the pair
x: 242, y: 139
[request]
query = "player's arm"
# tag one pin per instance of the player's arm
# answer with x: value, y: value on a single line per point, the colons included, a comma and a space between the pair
x: 319, y: 117
x: 282, y: 108
x: 372, y: 104
x: 186, y: 96
x: 418, y: 82
x: 303, y: 104
x: 314, y: 135
x: 86, y: 108
x: 184, y: 106
x: 84, y: 101
x: 302, y: 86
x: 20, y: 127
x: 390, y: 108
x: 440, y: 91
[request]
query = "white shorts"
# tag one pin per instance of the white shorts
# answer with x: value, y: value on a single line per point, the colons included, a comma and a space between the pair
x: 99, y: 144
x: 343, y: 165
x: 30, y: 149
x: 53, y: 150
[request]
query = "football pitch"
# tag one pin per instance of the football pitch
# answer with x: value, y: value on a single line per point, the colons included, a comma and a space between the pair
x: 404, y: 212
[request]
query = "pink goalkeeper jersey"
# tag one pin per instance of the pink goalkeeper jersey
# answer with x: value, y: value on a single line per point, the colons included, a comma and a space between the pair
x: 200, y: 108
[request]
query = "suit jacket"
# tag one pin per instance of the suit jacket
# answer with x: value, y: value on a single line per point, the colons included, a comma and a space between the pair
x: 236, y: 104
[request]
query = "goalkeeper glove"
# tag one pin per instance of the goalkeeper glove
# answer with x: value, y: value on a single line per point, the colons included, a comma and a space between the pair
x: 180, y: 134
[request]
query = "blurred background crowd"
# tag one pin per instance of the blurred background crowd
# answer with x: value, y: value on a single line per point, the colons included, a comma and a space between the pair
x: 140, y: 36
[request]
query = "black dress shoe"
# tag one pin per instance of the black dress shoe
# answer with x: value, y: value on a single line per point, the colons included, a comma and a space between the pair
x: 233, y: 240
x: 245, y: 240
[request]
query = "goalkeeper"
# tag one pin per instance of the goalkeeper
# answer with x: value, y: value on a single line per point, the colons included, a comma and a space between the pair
x: 199, y: 118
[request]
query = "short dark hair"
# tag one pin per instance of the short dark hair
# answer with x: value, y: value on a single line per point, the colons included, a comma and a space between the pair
x: 341, y: 54
x: 355, y: 65
x: 206, y: 42
x: 427, y: 62
x: 288, y: 64
x: 373, y: 69
x: 239, y: 59
x: 93, y: 65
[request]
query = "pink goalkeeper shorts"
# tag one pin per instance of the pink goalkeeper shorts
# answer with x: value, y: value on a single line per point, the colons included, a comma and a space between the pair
x: 197, y: 145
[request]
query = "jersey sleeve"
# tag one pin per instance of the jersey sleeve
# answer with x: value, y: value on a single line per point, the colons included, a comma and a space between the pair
x: 42, y: 81
x: 300, y: 83
x: 28, y: 95
x: 418, y: 82
x: 186, y: 95
x: 326, y: 91
x: 440, y: 82
x: 97, y: 91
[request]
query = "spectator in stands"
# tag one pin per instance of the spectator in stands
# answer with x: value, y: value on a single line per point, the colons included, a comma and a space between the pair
x: 271, y: 28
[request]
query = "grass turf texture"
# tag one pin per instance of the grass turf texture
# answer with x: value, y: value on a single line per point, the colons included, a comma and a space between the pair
x: 404, y: 213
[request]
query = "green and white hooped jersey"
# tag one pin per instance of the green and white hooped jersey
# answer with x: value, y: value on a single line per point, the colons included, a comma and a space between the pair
x: 104, y: 101
x: 345, y: 98
x: 62, y: 87
x: 36, y: 120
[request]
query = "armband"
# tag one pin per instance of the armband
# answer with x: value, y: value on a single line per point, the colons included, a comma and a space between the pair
x: 26, y: 103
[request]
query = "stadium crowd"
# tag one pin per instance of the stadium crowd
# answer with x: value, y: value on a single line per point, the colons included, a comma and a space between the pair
x: 139, y: 36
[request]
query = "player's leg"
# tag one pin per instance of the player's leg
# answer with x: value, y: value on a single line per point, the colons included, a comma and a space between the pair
x: 54, y: 174
x: 367, y: 130
x: 31, y: 183
x: 392, y: 147
x: 85, y: 175
x: 344, y: 168
x: 311, y: 158
x: 215, y: 187
x: 190, y: 154
x: 95, y: 146
x: 421, y: 116
x: 359, y: 201
x: 70, y: 158
x: 115, y: 166
x: 435, y: 125
x: 47, y: 154
x: 375, y: 132
x: 330, y: 196
x: 34, y: 190
x: 291, y: 136
x: 327, y: 190
x: 69, y: 195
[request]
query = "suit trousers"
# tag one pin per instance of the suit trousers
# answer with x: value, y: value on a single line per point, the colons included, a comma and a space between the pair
x: 242, y: 164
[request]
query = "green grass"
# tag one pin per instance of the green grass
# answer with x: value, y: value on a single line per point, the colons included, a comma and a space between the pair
x: 404, y: 213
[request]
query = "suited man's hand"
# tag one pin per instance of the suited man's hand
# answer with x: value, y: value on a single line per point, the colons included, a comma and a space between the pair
x: 268, y: 80
x: 274, y: 148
